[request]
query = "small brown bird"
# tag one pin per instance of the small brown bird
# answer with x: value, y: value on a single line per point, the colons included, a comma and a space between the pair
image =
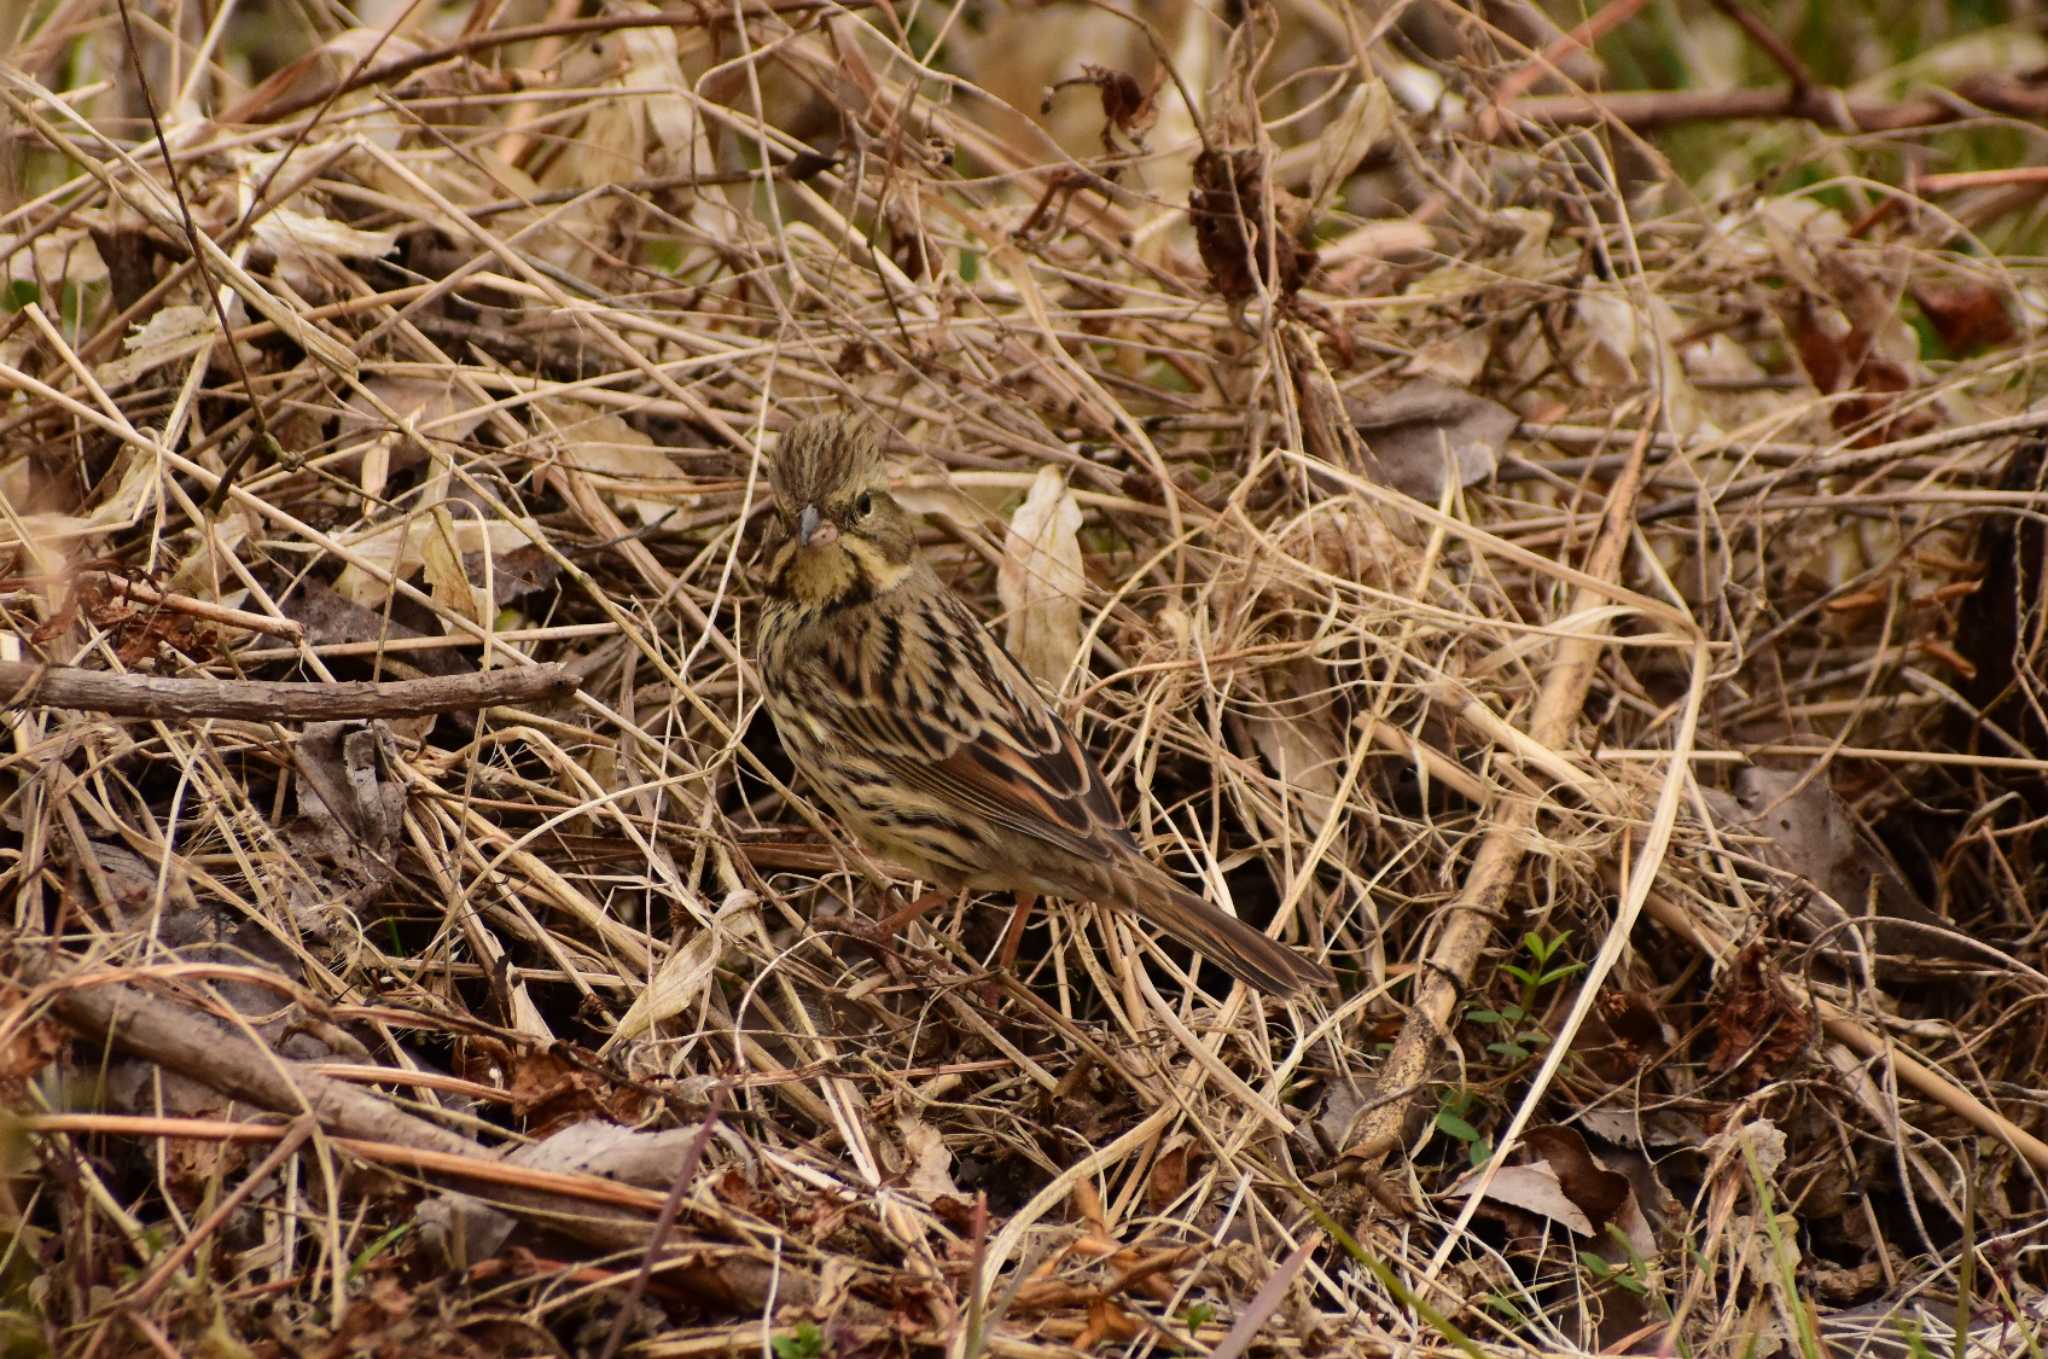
x: 927, y: 741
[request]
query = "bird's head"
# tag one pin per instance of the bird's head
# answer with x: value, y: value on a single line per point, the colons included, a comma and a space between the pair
x: 843, y: 539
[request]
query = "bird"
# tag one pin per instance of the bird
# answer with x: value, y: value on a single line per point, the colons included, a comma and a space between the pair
x: 910, y: 721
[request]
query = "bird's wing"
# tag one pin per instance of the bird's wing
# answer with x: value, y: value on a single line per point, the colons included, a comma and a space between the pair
x: 947, y: 712
x: 938, y: 709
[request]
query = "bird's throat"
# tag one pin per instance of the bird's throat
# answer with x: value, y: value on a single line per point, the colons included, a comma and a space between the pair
x: 836, y: 576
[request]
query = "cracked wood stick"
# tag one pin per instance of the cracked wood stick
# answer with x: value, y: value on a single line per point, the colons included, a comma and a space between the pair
x: 61, y: 686
x: 1449, y: 970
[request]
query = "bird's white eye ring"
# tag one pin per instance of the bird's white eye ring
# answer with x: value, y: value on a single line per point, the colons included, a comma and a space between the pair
x: 864, y: 504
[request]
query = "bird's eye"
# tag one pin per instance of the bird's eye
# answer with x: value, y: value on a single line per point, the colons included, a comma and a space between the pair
x: 864, y: 504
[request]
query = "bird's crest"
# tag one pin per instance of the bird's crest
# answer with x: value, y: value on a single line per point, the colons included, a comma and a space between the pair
x: 820, y: 460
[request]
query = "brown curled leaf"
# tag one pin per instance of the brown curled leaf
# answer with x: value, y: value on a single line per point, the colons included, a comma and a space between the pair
x: 1228, y: 210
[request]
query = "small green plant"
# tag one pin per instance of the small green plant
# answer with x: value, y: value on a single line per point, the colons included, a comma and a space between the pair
x: 1198, y: 1315
x: 1626, y: 1276
x: 1632, y: 1273
x: 1915, y: 1340
x: 1452, y: 1122
x: 368, y: 1254
x: 1520, y: 1037
x: 1505, y: 1307
x: 805, y: 1342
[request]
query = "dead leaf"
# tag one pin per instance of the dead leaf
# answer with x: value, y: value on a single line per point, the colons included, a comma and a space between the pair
x: 351, y: 808
x: 170, y: 334
x: 306, y: 244
x: 349, y: 768
x: 42, y: 255
x: 1456, y: 360
x: 1760, y: 1031
x: 1533, y: 1188
x: 1127, y: 106
x: 1756, y: 1138
x: 647, y: 123
x: 1814, y: 835
x: 400, y: 550
x: 441, y: 562
x: 394, y: 418
x: 1854, y: 344
x: 552, y: 1094
x: 1227, y: 208
x: 1968, y: 315
x: 464, y: 1228
x: 28, y: 1048
x: 686, y: 976
x: 1627, y: 340
x: 928, y: 1168
x: 1634, y: 1128
x: 1169, y: 1177
x: 329, y: 618
x: 513, y: 575
x: 1598, y: 1192
x: 1418, y: 433
x: 1300, y: 745
x: 1040, y: 579
x: 621, y: 461
x: 1565, y: 1183
x: 1349, y: 137
x: 434, y: 408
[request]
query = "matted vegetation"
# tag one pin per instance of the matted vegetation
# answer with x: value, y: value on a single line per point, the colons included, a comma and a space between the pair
x: 1666, y: 786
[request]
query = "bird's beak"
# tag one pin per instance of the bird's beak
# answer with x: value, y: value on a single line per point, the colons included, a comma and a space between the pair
x: 811, y: 531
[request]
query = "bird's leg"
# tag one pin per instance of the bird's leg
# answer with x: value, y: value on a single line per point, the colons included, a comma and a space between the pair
x: 1013, y: 937
x: 888, y: 925
x: 992, y: 986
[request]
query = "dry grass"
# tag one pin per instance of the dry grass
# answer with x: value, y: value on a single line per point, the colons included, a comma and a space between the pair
x: 512, y: 309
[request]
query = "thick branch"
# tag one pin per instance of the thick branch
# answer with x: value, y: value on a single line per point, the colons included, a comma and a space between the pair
x: 106, y: 1008
x: 58, y: 686
x: 1471, y: 918
x: 1649, y: 110
x: 252, y: 109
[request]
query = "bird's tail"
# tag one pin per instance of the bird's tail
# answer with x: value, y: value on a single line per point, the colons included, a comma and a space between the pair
x: 1224, y: 940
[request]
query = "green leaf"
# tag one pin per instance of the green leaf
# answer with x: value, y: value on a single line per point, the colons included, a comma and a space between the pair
x: 970, y: 265
x: 368, y: 1254
x: 1503, y: 1304
x: 1451, y: 1125
x: 807, y: 1342
x: 21, y: 292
